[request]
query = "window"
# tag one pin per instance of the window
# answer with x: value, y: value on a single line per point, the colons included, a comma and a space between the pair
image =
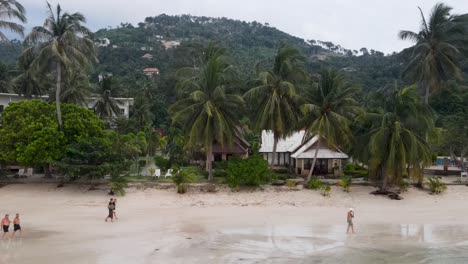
x: 122, y: 111
x: 1, y: 108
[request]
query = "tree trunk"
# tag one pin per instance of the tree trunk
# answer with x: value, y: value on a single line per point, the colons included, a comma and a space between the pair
x: 57, y: 94
x: 384, y: 180
x: 426, y: 95
x: 47, y: 172
x: 315, y: 160
x: 209, y: 163
x: 275, y: 144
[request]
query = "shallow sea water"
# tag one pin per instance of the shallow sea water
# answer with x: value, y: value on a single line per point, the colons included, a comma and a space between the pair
x: 267, y: 244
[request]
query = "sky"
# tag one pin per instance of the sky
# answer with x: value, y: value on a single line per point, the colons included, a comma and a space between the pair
x: 373, y: 24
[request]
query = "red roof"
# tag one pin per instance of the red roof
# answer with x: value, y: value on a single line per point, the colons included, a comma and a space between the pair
x: 151, y: 70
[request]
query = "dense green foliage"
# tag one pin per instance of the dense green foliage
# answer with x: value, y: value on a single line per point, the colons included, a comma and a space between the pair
x: 251, y: 171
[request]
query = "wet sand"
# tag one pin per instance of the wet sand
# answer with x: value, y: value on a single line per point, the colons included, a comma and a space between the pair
x: 272, y: 226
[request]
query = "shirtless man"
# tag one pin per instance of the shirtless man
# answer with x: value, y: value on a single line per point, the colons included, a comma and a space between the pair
x: 115, y: 215
x: 17, y: 226
x: 349, y: 218
x: 6, y: 225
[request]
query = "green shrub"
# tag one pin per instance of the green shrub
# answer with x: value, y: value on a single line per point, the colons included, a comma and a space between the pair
x: 435, y: 185
x: 163, y: 163
x: 325, y: 190
x: 349, y: 168
x: 181, y: 178
x: 345, y: 182
x: 404, y: 185
x: 291, y: 183
x: 281, y: 171
x: 118, y: 182
x: 314, y: 183
x: 252, y: 171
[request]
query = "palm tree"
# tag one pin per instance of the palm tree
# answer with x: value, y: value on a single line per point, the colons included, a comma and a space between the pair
x: 62, y: 41
x: 30, y: 82
x: 76, y: 88
x: 439, y: 45
x: 107, y: 106
x: 11, y: 9
x: 274, y: 98
x: 394, y: 136
x: 328, y: 110
x: 142, y: 112
x: 208, y: 113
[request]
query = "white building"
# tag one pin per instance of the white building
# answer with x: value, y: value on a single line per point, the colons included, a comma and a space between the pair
x: 6, y: 99
x: 297, y: 151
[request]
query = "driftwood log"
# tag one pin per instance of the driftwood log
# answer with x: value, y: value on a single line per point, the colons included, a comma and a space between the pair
x: 391, y: 195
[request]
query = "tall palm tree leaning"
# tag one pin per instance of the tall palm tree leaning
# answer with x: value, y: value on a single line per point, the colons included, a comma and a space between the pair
x: 208, y: 110
x: 11, y: 9
x: 274, y: 98
x: 439, y: 45
x: 394, y: 136
x: 62, y: 41
x: 328, y: 109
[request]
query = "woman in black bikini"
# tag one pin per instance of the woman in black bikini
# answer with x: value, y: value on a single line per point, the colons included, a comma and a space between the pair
x: 111, y: 208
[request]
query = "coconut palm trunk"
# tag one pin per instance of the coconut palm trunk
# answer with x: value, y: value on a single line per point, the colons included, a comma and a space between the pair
x: 314, y: 162
x: 57, y: 94
x: 209, y: 162
x: 275, y: 145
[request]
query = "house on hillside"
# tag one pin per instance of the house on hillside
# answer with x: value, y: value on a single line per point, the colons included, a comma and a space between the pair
x: 151, y: 72
x: 297, y: 152
x: 147, y: 56
x: 170, y: 44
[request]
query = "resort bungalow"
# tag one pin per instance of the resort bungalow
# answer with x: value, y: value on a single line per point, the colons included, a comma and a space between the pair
x: 297, y: 152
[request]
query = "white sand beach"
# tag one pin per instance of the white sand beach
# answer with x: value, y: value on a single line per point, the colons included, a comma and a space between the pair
x: 275, y: 225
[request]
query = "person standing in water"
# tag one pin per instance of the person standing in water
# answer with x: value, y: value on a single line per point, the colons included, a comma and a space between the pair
x: 111, y: 210
x: 349, y: 218
x: 6, y: 225
x: 17, y: 226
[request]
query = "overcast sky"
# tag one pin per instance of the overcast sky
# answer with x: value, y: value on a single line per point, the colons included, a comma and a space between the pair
x: 352, y: 24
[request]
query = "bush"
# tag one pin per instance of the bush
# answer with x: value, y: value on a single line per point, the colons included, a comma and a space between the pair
x: 404, y: 185
x: 325, y: 190
x: 291, y: 183
x: 117, y: 183
x: 162, y: 163
x: 252, y: 171
x: 345, y: 182
x: 181, y: 178
x: 349, y: 168
x: 314, y: 183
x: 435, y: 185
x: 281, y: 171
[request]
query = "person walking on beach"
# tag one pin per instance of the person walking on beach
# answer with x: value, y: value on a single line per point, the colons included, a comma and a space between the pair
x: 111, y: 210
x: 114, y: 203
x: 17, y: 226
x: 349, y: 218
x: 6, y: 225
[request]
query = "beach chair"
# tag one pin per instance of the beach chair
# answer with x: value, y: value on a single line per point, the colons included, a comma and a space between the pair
x: 168, y: 173
x: 20, y: 172
x: 29, y: 172
x: 463, y: 174
x: 157, y: 173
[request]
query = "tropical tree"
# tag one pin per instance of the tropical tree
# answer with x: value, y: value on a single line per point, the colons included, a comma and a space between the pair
x: 31, y: 82
x: 76, y: 87
x: 107, y: 106
x: 328, y: 110
x: 11, y: 9
x: 209, y: 112
x: 439, y: 45
x: 274, y: 97
x: 141, y: 112
x: 63, y: 41
x: 393, y: 136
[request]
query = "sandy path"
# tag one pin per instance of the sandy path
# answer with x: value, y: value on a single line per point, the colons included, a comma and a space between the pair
x: 159, y: 226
